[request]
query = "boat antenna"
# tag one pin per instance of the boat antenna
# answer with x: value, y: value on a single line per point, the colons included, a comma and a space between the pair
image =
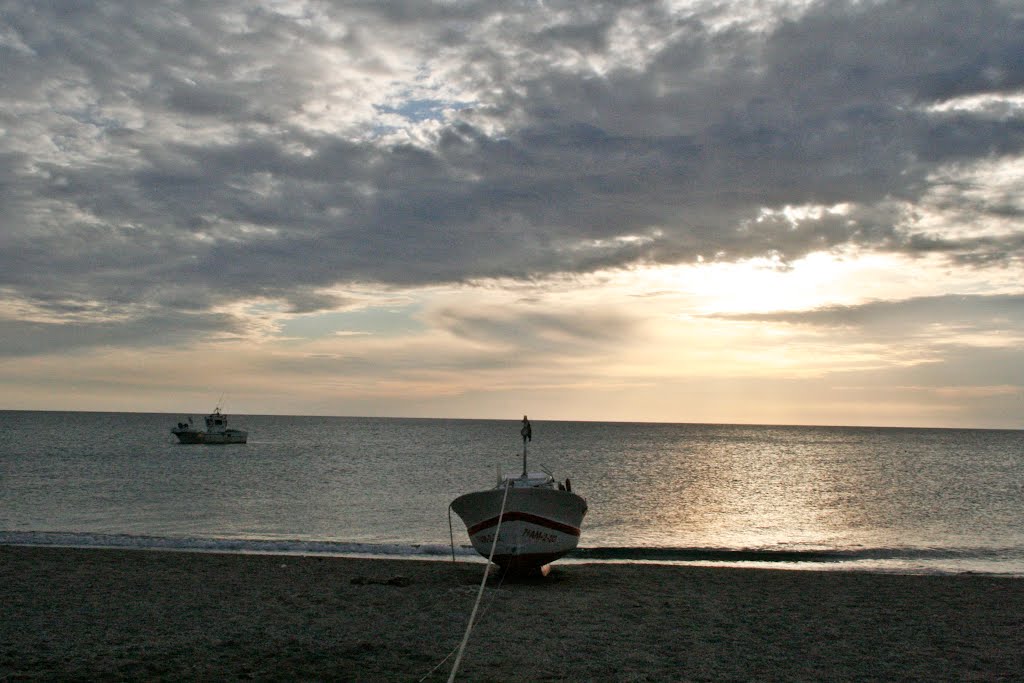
x: 527, y: 433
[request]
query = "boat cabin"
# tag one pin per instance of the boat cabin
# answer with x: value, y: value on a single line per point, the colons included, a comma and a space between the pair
x: 531, y: 480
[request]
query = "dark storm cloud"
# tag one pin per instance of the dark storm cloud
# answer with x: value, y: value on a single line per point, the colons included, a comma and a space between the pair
x: 156, y: 153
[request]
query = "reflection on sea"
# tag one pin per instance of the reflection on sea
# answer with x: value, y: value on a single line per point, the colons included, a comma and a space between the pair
x: 808, y: 488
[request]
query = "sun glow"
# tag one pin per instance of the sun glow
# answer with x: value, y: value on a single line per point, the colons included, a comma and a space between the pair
x: 769, y: 284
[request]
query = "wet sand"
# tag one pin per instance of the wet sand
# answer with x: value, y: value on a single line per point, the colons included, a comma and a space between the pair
x: 93, y: 614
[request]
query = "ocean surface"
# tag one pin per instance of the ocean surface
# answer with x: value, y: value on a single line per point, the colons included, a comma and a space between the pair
x: 839, y: 498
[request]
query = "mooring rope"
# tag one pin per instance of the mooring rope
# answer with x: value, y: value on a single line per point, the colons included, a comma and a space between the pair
x: 451, y: 534
x: 483, y: 613
x: 483, y: 584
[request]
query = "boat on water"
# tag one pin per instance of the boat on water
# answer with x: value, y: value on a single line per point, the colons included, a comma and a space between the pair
x: 216, y: 432
x: 540, y: 521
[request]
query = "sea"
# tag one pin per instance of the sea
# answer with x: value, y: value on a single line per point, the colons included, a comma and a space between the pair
x: 926, y: 501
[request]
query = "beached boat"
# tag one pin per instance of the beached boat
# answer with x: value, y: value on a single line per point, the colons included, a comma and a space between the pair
x: 216, y: 432
x: 540, y: 521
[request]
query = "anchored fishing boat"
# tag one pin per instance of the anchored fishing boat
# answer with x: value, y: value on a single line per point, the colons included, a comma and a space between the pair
x: 537, y: 519
x: 216, y: 432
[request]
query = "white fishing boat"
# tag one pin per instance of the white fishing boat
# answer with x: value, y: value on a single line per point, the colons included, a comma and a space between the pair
x: 216, y: 432
x: 539, y: 517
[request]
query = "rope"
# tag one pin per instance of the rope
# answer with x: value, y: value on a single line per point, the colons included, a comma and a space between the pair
x: 483, y: 613
x: 483, y: 583
x: 451, y: 534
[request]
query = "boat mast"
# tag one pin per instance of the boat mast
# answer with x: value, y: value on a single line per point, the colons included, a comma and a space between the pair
x: 527, y: 433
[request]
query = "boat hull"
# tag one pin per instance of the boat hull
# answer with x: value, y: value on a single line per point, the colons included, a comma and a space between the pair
x: 539, y: 525
x: 194, y: 436
x: 230, y: 436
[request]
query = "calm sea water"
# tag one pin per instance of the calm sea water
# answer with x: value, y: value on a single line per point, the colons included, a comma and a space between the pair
x: 910, y: 500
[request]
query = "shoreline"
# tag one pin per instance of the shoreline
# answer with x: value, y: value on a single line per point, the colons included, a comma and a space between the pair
x: 133, y: 614
x: 471, y: 557
x: 928, y: 562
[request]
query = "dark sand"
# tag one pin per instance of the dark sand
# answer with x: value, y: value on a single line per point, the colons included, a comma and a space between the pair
x: 93, y: 614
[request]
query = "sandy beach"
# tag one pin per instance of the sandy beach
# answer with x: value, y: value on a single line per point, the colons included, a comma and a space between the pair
x: 155, y: 615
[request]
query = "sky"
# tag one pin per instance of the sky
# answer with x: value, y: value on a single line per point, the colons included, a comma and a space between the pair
x: 768, y: 212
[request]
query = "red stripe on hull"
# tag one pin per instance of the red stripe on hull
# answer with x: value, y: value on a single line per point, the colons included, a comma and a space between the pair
x: 525, y: 517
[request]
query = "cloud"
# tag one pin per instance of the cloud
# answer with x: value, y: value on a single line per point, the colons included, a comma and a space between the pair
x: 528, y: 335
x: 170, y: 157
x: 1008, y: 309
x: 24, y: 338
x: 966, y: 343
x: 978, y: 251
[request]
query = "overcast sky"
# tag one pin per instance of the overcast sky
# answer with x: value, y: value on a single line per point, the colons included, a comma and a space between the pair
x: 794, y: 212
